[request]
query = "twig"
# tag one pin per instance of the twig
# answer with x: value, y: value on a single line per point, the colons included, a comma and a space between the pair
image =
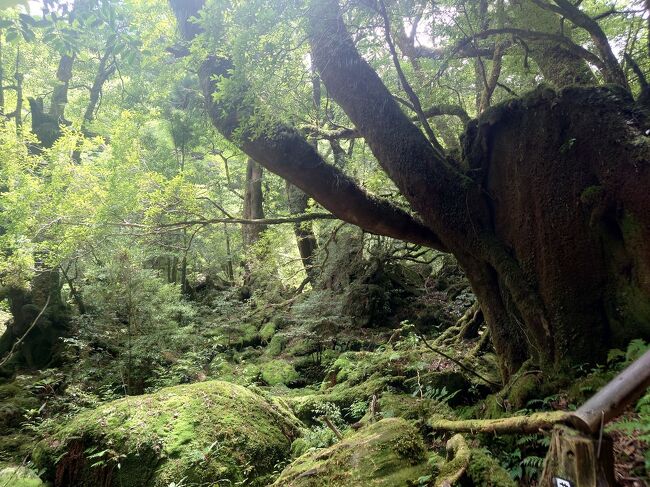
x: 331, y: 426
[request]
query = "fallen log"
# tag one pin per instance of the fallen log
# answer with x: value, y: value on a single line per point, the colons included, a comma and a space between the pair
x: 514, y: 424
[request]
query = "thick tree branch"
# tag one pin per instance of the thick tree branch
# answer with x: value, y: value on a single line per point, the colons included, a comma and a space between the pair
x: 612, y: 71
x: 512, y: 425
x: 447, y: 201
x: 351, y: 133
x: 542, y: 36
x: 285, y: 152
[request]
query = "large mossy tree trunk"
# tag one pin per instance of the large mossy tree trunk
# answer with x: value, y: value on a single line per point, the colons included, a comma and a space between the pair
x: 567, y: 176
x: 547, y: 210
x: 42, y: 343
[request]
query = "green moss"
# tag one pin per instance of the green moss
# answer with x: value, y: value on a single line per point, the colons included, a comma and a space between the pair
x: 591, y: 195
x: 387, y: 453
x: 522, y: 390
x: 276, y: 346
x: 633, y: 305
x: 248, y: 334
x: 485, y: 471
x: 16, y: 445
x: 461, y: 458
x: 267, y: 331
x: 299, y: 447
x: 279, y: 372
x: 19, y: 477
x: 205, y: 432
x: 307, y: 407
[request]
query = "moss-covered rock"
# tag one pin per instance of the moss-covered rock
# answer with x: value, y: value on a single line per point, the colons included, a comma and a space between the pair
x: 208, y: 433
x: 278, y: 372
x: 19, y: 477
x: 387, y: 453
x: 276, y: 345
x: 267, y: 331
x: 485, y: 471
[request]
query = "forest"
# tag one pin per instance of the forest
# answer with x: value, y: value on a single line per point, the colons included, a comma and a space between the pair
x: 321, y: 243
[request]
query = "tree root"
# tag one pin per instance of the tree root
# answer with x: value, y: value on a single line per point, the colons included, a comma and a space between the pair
x: 515, y: 424
x: 482, y: 345
x: 470, y: 323
x: 456, y: 467
x: 448, y: 336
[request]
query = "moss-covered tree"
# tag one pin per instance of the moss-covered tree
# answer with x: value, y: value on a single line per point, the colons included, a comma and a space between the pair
x: 546, y: 209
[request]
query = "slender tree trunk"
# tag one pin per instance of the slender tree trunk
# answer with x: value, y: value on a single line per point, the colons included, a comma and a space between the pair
x: 2, y: 78
x: 230, y: 271
x: 60, y: 93
x: 253, y: 203
x: 307, y: 243
x: 18, y: 78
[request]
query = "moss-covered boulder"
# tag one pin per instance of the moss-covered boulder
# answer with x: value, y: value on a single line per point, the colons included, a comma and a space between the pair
x: 19, y: 477
x: 209, y: 433
x: 277, y: 372
x: 387, y: 453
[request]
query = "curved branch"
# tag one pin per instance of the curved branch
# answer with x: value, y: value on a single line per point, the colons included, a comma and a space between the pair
x: 542, y: 36
x: 253, y: 221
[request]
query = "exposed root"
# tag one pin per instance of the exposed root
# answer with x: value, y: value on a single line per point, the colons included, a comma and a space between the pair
x: 470, y: 323
x: 457, y: 465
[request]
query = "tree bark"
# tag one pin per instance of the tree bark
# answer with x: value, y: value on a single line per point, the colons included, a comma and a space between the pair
x: 60, y: 93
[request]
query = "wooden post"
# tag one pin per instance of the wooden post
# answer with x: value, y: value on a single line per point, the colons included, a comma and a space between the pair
x: 575, y: 459
x: 583, y: 457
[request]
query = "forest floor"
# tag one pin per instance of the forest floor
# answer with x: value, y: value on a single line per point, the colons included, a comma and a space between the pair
x: 300, y: 396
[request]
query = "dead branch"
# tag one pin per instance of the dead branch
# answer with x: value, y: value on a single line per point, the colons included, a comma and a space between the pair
x: 514, y: 424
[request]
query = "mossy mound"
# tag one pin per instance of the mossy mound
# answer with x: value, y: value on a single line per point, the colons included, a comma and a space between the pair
x: 209, y: 433
x: 19, y: 477
x: 277, y: 372
x: 387, y: 453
